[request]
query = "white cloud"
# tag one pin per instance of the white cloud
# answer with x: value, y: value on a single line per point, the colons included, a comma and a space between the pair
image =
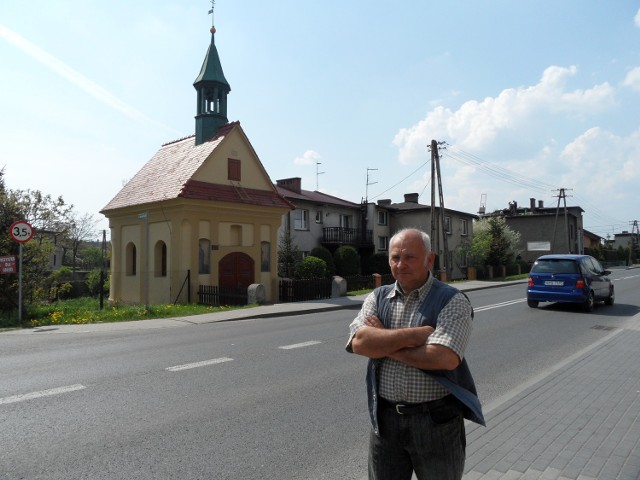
x: 636, y: 19
x: 632, y: 79
x: 476, y: 124
x: 308, y: 158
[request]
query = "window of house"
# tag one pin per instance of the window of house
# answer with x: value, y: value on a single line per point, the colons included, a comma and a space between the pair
x: 465, y: 227
x: 383, y: 243
x: 319, y: 216
x: 160, y: 259
x: 345, y: 221
x: 301, y: 220
x: 447, y: 224
x: 204, y: 255
x: 131, y: 259
x: 233, y: 169
x: 382, y: 217
x: 265, y: 256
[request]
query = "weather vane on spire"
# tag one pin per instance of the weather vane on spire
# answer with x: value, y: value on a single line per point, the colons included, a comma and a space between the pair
x: 213, y: 4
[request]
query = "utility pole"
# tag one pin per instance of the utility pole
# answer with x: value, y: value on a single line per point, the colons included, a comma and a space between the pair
x: 635, y: 241
x: 364, y: 210
x: 562, y: 195
x: 435, y: 225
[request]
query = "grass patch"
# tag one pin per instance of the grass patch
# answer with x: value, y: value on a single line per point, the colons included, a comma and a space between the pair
x: 359, y: 292
x: 87, y: 310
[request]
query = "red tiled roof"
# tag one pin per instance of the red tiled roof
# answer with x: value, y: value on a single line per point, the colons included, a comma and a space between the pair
x: 197, y: 190
x: 167, y: 175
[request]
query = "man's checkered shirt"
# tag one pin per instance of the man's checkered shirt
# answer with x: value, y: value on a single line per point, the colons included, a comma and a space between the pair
x: 398, y: 382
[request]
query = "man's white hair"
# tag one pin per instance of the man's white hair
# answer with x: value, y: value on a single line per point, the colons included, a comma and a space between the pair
x: 425, y: 238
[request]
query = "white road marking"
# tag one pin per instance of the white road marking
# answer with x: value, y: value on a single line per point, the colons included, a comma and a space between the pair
x: 299, y: 345
x: 43, y: 393
x: 204, y: 363
x: 498, y: 305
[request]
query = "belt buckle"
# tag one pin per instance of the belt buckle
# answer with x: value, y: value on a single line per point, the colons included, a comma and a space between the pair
x: 398, y: 407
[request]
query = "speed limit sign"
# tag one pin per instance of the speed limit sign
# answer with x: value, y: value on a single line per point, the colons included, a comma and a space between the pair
x: 21, y: 231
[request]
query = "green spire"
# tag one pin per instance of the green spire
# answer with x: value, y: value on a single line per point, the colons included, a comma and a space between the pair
x: 212, y: 90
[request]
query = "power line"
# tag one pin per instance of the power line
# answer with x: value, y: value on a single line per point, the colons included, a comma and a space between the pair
x: 505, y: 175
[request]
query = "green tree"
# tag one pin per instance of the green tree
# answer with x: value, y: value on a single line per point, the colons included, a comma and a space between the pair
x: 49, y: 218
x: 93, y: 282
x: 288, y: 254
x: 9, y: 212
x: 311, y: 267
x: 347, y: 261
x: 324, y: 254
x: 90, y: 257
x: 79, y: 230
x: 494, y: 243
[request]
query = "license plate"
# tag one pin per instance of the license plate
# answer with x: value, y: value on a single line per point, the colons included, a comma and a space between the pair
x: 554, y: 283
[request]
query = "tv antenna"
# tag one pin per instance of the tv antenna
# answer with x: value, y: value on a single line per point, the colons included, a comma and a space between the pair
x: 317, y: 175
x: 366, y: 190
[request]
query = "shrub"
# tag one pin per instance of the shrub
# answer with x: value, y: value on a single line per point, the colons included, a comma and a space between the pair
x: 311, y: 267
x: 324, y: 254
x: 347, y: 261
x: 93, y: 282
x: 378, y: 263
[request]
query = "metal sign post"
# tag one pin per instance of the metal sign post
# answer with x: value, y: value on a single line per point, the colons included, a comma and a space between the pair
x: 21, y: 232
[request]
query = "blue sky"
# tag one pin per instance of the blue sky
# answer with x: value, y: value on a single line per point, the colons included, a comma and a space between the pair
x: 530, y: 96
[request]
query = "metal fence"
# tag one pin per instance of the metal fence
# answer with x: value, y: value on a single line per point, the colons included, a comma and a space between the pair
x: 300, y: 290
x: 216, y: 296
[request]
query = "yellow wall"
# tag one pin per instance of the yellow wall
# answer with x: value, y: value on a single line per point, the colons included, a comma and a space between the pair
x: 180, y: 225
x: 237, y: 147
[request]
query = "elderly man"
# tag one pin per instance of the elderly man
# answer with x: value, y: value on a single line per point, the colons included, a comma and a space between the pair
x: 419, y: 387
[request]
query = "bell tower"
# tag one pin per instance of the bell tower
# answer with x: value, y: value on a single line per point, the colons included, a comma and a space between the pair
x: 212, y: 89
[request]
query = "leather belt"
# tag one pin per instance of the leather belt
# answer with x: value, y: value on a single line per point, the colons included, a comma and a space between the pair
x: 414, y: 408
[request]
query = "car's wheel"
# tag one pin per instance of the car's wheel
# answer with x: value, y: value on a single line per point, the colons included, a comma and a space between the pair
x: 589, y: 303
x: 611, y: 298
x: 532, y: 303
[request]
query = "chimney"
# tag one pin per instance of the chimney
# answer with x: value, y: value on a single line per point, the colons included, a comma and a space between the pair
x: 540, y: 203
x: 532, y: 204
x: 293, y: 184
x: 411, y: 197
x: 384, y: 202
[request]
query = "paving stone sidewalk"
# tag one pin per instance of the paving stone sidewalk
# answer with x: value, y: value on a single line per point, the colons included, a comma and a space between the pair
x: 581, y: 422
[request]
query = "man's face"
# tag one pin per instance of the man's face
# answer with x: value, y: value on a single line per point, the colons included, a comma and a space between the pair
x: 410, y: 263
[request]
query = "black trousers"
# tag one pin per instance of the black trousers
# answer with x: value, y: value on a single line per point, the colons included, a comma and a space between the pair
x: 432, y: 444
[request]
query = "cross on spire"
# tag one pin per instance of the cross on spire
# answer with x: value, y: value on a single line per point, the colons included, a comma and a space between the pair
x: 213, y: 4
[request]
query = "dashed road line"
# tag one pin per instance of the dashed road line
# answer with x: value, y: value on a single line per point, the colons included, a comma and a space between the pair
x: 40, y: 394
x: 204, y: 363
x: 299, y: 345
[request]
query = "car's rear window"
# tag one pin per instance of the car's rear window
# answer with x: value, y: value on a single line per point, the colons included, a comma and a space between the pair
x: 555, y: 266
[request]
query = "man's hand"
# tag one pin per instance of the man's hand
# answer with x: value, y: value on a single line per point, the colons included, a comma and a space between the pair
x: 376, y: 341
x: 373, y: 321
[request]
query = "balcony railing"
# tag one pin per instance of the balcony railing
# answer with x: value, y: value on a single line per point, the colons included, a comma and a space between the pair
x: 346, y: 236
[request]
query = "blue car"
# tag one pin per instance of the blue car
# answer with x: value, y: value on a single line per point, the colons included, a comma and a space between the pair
x: 569, y: 278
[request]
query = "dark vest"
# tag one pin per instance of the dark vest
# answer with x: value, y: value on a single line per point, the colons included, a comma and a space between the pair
x: 458, y: 382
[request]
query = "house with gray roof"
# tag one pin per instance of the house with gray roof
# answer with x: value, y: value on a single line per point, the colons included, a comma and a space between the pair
x: 323, y: 220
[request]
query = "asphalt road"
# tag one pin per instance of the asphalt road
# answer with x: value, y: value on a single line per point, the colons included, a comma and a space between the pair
x: 265, y: 398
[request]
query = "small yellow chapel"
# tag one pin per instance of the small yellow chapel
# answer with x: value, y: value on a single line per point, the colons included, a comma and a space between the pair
x: 201, y: 211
